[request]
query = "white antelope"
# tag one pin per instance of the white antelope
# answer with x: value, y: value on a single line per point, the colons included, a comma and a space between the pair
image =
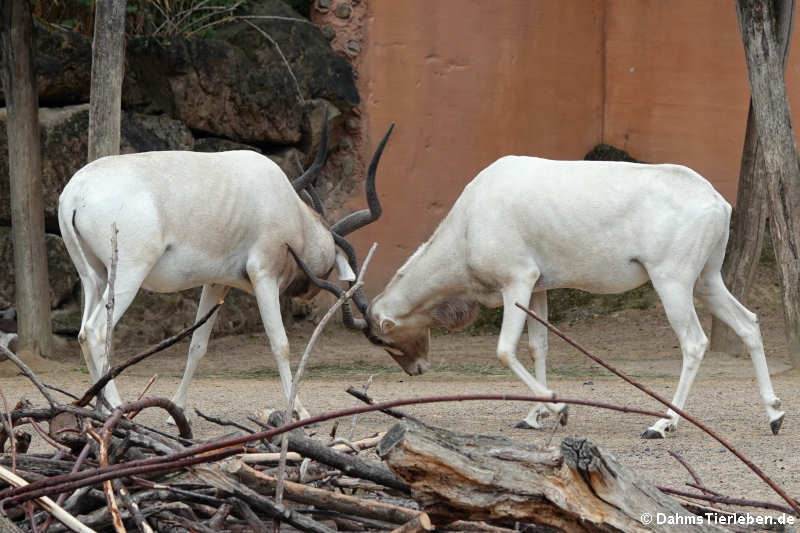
x: 526, y: 225
x: 187, y: 219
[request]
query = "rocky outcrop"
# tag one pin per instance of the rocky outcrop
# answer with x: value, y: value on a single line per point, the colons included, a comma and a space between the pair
x: 63, y: 278
x: 63, y: 66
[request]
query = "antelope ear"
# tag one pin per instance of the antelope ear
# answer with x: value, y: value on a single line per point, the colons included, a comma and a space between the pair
x: 387, y: 324
x: 343, y: 267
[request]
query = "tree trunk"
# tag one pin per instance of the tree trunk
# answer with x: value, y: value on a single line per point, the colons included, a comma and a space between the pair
x: 25, y: 172
x: 757, y: 23
x: 747, y: 236
x: 108, y: 67
x: 574, y: 488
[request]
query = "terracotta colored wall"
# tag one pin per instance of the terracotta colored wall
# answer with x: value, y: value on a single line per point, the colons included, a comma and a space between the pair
x: 467, y: 82
x: 470, y: 80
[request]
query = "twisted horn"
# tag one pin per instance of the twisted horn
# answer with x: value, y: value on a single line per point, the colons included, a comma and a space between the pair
x: 347, y: 313
x: 302, y: 181
x: 359, y: 219
x: 314, y: 200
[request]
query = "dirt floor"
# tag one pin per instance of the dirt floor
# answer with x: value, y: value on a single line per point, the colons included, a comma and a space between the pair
x: 238, y: 377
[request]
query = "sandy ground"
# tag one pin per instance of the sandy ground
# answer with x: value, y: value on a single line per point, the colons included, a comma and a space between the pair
x: 238, y: 377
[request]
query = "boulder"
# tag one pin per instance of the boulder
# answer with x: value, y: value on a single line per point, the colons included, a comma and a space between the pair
x: 63, y: 278
x: 320, y: 71
x: 63, y: 66
x: 213, y: 87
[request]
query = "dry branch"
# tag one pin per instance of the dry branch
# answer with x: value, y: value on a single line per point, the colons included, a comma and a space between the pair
x: 59, y: 513
x: 223, y: 481
x: 352, y: 466
x: 273, y: 457
x: 163, y: 345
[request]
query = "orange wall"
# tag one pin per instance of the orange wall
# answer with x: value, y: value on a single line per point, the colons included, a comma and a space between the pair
x: 470, y: 80
x: 466, y: 83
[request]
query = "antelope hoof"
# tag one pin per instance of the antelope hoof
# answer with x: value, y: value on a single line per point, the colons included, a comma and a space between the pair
x: 563, y: 416
x: 652, y: 434
x: 776, y: 424
x: 524, y: 424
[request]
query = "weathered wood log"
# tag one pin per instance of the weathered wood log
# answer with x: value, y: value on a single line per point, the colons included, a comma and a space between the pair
x: 419, y: 524
x: 352, y: 466
x: 38, y: 464
x: 322, y: 499
x: 215, y: 476
x: 272, y: 457
x: 574, y: 488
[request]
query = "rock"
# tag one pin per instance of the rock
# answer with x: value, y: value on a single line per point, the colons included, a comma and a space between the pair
x: 352, y: 125
x: 353, y: 47
x: 63, y: 278
x: 63, y: 66
x: 328, y: 31
x: 321, y: 72
x: 213, y: 86
x: 215, y: 144
x: 237, y: 85
x: 348, y: 166
x: 67, y: 321
x: 316, y: 116
x: 343, y: 10
x: 64, y: 148
x: 606, y: 152
x: 147, y: 133
x: 287, y: 159
x: 323, y: 5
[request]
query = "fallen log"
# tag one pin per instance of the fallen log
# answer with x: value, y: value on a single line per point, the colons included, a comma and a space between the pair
x: 574, y: 488
x: 322, y: 499
x: 350, y: 465
x: 216, y: 477
x: 419, y: 524
x: 272, y: 457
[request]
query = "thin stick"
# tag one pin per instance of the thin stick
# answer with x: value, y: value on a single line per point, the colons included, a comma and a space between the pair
x: 62, y: 391
x: 112, y: 276
x: 163, y: 345
x: 302, y: 366
x: 222, y: 421
x: 8, y: 426
x: 147, y: 387
x: 695, y: 477
x: 29, y: 374
x: 367, y: 399
x: 274, y: 43
x: 108, y: 489
x: 354, y: 420
x: 132, y: 414
x: 729, y: 501
x: 703, y: 488
x: 680, y: 412
x: 51, y: 507
x: 43, y: 434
